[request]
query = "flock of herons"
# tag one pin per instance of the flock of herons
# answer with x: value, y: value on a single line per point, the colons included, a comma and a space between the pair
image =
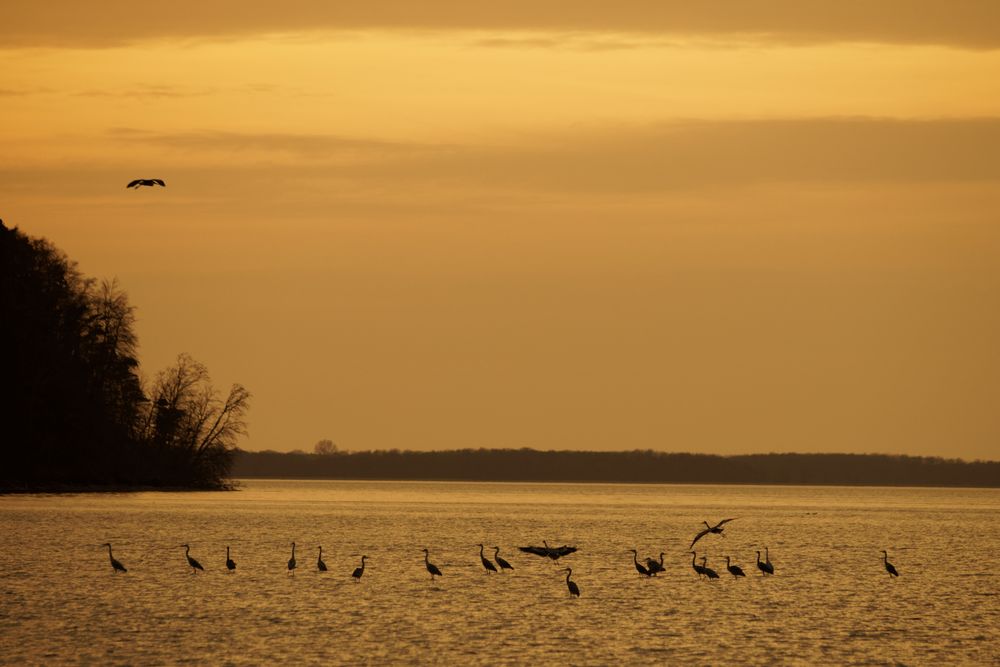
x: 650, y: 568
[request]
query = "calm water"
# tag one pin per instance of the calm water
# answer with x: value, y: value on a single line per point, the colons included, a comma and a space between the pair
x: 830, y: 601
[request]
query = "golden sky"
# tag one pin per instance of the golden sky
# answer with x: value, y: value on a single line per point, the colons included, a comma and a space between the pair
x: 723, y: 227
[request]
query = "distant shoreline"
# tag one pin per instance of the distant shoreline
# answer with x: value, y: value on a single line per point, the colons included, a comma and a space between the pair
x: 628, y: 467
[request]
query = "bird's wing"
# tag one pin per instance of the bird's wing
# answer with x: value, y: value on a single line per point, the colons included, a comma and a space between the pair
x: 698, y: 537
x: 159, y: 181
x: 538, y: 551
x: 564, y: 550
x: 134, y: 183
x: 725, y: 521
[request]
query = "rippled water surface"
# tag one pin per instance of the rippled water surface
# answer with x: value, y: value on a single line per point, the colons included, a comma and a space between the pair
x: 830, y: 601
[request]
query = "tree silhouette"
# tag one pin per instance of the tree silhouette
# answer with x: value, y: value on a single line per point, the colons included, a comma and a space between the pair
x: 73, y: 410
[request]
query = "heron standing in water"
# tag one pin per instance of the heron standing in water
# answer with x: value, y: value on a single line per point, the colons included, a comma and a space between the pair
x: 230, y: 563
x: 574, y: 590
x: 116, y: 565
x: 889, y: 567
x: 431, y: 567
x: 195, y: 565
x: 291, y: 561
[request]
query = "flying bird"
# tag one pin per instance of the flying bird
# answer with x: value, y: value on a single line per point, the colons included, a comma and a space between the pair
x: 116, y: 566
x: 717, y: 529
x: 358, y: 571
x: 431, y: 567
x: 555, y: 553
x: 734, y: 570
x: 571, y: 585
x: 230, y: 563
x: 147, y: 182
x: 889, y: 567
x: 504, y: 565
x: 195, y: 565
x: 490, y: 567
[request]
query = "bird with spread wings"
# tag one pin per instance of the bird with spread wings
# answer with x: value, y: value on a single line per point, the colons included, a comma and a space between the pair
x: 717, y: 529
x: 148, y: 182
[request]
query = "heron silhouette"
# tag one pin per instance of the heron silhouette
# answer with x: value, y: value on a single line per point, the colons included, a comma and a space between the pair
x: 431, y: 567
x: 230, y: 563
x: 709, y: 572
x: 554, y: 553
x: 195, y: 565
x: 146, y: 182
x: 764, y: 567
x: 116, y: 565
x: 571, y: 585
x: 490, y: 567
x: 291, y: 561
x: 716, y: 529
x: 699, y: 570
x: 889, y: 567
x: 734, y: 570
x: 655, y: 566
x: 639, y: 567
x: 358, y: 571
x: 504, y: 565
x: 320, y: 565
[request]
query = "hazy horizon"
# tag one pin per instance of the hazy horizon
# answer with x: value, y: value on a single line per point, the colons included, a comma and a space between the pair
x: 770, y: 227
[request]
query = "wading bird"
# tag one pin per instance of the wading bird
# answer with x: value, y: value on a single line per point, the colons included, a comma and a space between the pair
x: 291, y: 561
x: 195, y: 565
x: 490, y: 567
x: 655, y: 566
x: 734, y: 570
x: 358, y: 571
x: 889, y: 567
x: 431, y: 567
x: 764, y: 567
x: 716, y: 529
x: 639, y: 567
x: 571, y: 585
x: 230, y: 563
x: 709, y: 572
x: 320, y: 565
x: 555, y: 553
x: 116, y: 566
x: 147, y: 182
x: 504, y: 565
x: 699, y: 570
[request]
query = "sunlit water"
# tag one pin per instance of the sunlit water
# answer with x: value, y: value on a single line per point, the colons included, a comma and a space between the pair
x: 830, y: 601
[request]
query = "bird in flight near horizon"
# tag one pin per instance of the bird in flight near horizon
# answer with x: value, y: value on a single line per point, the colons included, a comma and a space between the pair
x: 717, y: 529
x: 149, y: 182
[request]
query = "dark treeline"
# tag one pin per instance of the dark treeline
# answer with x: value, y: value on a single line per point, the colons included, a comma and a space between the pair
x: 529, y: 465
x: 74, y: 410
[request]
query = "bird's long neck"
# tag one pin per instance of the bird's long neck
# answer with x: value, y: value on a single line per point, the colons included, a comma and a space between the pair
x: 767, y: 555
x: 109, y: 552
x: 727, y: 561
x: 187, y: 551
x: 694, y: 556
x: 758, y: 557
x: 227, y: 553
x: 481, y: 551
x: 362, y: 563
x: 568, y: 573
x: 635, y: 557
x: 496, y: 551
x: 427, y: 558
x: 293, y: 549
